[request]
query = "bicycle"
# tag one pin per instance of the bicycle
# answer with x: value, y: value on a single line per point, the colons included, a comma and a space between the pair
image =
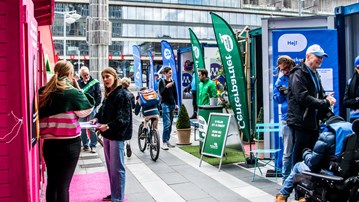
x: 150, y: 139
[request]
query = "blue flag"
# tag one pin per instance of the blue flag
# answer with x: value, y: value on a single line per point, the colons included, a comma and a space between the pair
x: 137, y: 66
x: 168, y: 60
x: 150, y: 69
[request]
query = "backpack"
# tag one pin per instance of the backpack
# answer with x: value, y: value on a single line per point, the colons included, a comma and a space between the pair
x: 148, y: 98
x: 348, y: 159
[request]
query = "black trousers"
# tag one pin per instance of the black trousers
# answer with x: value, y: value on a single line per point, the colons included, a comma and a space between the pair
x: 194, y: 102
x: 302, y: 139
x: 61, y: 157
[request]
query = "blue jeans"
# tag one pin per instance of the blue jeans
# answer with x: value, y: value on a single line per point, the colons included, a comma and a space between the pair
x: 93, y: 136
x: 115, y: 161
x: 287, y: 151
x: 287, y: 186
x: 167, y: 115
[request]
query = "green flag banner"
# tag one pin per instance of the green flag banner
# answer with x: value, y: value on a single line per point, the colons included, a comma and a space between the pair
x: 198, y: 60
x: 233, y: 69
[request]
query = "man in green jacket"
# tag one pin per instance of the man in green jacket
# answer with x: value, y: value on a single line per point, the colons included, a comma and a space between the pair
x: 207, y: 88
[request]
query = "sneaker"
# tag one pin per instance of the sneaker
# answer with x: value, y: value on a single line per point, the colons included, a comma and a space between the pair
x: 128, y: 150
x: 86, y: 148
x: 107, y: 198
x: 164, y: 146
x: 170, y: 145
x: 93, y: 150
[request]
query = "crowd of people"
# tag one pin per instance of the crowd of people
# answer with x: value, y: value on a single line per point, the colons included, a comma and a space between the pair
x: 65, y: 101
x: 304, y: 105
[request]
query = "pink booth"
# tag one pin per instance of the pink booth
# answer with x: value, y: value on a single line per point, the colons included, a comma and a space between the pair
x: 24, y: 41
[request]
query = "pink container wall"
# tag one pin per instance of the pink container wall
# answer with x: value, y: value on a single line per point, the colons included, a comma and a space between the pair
x: 20, y: 74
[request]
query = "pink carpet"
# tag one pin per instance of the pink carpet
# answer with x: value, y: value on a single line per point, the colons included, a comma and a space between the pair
x: 90, y: 187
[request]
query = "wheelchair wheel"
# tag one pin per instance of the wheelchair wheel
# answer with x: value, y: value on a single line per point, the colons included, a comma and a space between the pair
x: 141, y: 139
x: 154, y: 145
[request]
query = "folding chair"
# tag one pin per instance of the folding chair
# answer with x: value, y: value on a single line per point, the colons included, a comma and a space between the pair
x: 263, y: 128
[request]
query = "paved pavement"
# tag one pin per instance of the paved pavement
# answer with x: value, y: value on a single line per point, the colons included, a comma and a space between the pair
x: 176, y: 176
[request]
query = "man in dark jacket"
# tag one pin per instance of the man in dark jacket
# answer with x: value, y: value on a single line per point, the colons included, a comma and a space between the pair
x: 328, y: 147
x: 351, y: 97
x: 168, y: 92
x: 92, y: 87
x: 307, y: 102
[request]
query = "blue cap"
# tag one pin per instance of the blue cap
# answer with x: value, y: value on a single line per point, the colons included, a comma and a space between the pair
x: 356, y: 62
x: 155, y: 74
x: 316, y: 50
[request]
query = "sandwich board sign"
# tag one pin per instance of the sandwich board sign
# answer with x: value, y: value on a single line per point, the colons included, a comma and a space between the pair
x: 220, y: 126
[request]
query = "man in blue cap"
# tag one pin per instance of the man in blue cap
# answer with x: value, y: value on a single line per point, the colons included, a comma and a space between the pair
x: 351, y: 97
x: 307, y: 102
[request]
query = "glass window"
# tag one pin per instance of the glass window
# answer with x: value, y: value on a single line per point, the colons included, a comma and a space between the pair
x: 173, y: 32
x: 164, y: 30
x: 225, y: 16
x: 164, y: 14
x: 125, y: 30
x: 181, y: 16
x: 132, y: 31
x: 131, y: 13
x: 148, y: 31
x: 116, y: 29
x: 181, y: 32
x: 114, y: 12
x: 205, y: 2
x: 140, y: 30
x: 148, y: 13
x: 232, y: 18
x: 156, y: 31
x: 220, y: 3
x: 229, y: 3
x: 211, y: 34
x: 140, y: 13
x: 125, y: 12
x: 240, y: 19
x: 172, y: 15
x: 188, y: 16
x: 204, y: 17
x: 203, y: 33
x: 156, y: 14
x: 190, y: 1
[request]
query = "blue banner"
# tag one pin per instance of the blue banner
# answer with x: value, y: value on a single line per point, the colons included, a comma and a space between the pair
x: 294, y: 43
x: 150, y: 69
x: 168, y: 60
x: 137, y: 66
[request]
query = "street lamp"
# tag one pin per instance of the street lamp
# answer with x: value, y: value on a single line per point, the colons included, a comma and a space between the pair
x: 69, y: 18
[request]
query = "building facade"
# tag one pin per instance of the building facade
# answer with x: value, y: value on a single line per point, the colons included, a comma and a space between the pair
x: 147, y: 22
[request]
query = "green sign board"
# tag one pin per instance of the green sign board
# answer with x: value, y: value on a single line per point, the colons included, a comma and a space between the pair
x: 216, y: 137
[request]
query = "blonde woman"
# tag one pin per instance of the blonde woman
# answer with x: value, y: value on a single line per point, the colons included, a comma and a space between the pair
x: 115, y: 119
x: 61, y: 104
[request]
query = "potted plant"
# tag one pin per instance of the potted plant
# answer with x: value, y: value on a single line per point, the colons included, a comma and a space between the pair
x: 183, y: 126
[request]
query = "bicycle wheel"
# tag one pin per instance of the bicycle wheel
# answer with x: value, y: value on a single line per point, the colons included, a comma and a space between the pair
x: 141, y: 139
x: 155, y: 145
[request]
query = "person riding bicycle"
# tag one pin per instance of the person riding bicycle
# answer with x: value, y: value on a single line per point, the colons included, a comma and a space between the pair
x: 149, y: 108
